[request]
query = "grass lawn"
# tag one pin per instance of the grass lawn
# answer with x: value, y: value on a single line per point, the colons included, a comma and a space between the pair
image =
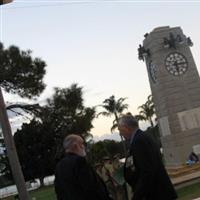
x: 47, y: 193
x: 189, y: 192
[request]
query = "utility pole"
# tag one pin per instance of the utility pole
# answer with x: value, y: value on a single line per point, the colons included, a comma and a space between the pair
x: 10, y: 145
x: 11, y: 151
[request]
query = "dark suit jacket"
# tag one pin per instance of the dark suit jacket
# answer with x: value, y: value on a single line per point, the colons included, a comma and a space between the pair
x: 76, y: 180
x: 145, y: 172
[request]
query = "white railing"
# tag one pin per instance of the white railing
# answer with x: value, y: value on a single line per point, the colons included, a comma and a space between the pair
x: 12, y: 190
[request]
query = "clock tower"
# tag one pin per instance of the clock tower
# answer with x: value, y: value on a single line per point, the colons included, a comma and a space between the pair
x: 175, y: 86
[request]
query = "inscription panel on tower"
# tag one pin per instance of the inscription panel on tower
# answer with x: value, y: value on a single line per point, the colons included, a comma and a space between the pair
x: 189, y: 119
x: 164, y: 125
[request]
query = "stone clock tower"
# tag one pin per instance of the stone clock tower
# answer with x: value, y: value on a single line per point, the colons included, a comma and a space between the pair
x: 175, y: 86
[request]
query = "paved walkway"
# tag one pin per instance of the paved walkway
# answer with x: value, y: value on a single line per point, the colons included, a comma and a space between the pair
x: 186, y: 178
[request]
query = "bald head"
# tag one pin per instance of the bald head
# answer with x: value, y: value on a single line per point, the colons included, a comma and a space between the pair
x: 74, y: 144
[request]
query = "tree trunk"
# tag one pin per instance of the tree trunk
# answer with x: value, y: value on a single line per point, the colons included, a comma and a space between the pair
x: 11, y: 152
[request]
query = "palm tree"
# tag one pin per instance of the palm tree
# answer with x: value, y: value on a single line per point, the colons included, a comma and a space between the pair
x: 114, y: 107
x: 147, y: 111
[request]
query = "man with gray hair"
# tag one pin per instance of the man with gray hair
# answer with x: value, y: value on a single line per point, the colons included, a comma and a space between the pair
x: 74, y: 177
x: 143, y: 169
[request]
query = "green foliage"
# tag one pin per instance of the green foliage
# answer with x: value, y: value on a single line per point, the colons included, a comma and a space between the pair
x: 147, y: 111
x: 66, y: 111
x: 20, y: 73
x: 101, y: 149
x: 113, y: 107
x: 45, y: 193
x: 39, y: 143
x: 116, y: 108
x: 36, y: 149
x: 189, y: 192
x: 5, y: 181
x: 5, y: 170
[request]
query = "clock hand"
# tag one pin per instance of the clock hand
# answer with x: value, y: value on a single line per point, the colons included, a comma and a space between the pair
x: 180, y: 63
x: 176, y: 66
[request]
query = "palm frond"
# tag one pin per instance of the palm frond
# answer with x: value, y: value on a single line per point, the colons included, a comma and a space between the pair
x: 114, y: 121
x: 140, y: 117
x: 114, y: 127
x: 107, y: 114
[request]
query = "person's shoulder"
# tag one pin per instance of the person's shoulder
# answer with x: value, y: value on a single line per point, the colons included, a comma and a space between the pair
x: 70, y: 158
x: 76, y: 159
x: 139, y: 135
x: 139, y: 132
x: 144, y: 138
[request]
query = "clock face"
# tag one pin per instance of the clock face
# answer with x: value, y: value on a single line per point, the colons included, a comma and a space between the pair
x: 153, y: 71
x: 176, y: 64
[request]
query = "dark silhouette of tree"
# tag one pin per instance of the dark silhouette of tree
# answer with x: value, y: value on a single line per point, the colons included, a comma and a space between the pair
x: 113, y: 107
x: 5, y: 170
x: 147, y: 111
x: 36, y: 149
x: 20, y: 73
x: 116, y: 108
x: 39, y: 143
x: 105, y: 148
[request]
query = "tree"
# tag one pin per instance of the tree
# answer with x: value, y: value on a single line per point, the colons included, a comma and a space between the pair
x: 114, y: 107
x: 101, y: 149
x: 5, y: 170
x: 147, y: 111
x: 36, y: 149
x: 42, y: 138
x: 68, y: 113
x: 20, y: 74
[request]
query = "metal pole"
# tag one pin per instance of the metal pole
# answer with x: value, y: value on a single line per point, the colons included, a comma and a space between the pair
x: 11, y: 151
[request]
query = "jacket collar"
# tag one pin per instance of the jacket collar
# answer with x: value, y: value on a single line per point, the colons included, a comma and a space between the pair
x: 134, y: 134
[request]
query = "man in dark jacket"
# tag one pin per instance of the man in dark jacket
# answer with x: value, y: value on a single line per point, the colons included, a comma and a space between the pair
x: 144, y: 170
x: 74, y: 178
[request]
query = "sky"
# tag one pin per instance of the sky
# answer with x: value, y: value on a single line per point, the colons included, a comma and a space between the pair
x: 94, y: 44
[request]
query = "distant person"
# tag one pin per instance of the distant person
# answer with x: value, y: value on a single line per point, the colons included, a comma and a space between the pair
x: 193, y: 158
x: 74, y: 178
x: 143, y: 169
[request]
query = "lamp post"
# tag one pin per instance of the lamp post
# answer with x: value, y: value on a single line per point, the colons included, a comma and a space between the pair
x: 10, y: 145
